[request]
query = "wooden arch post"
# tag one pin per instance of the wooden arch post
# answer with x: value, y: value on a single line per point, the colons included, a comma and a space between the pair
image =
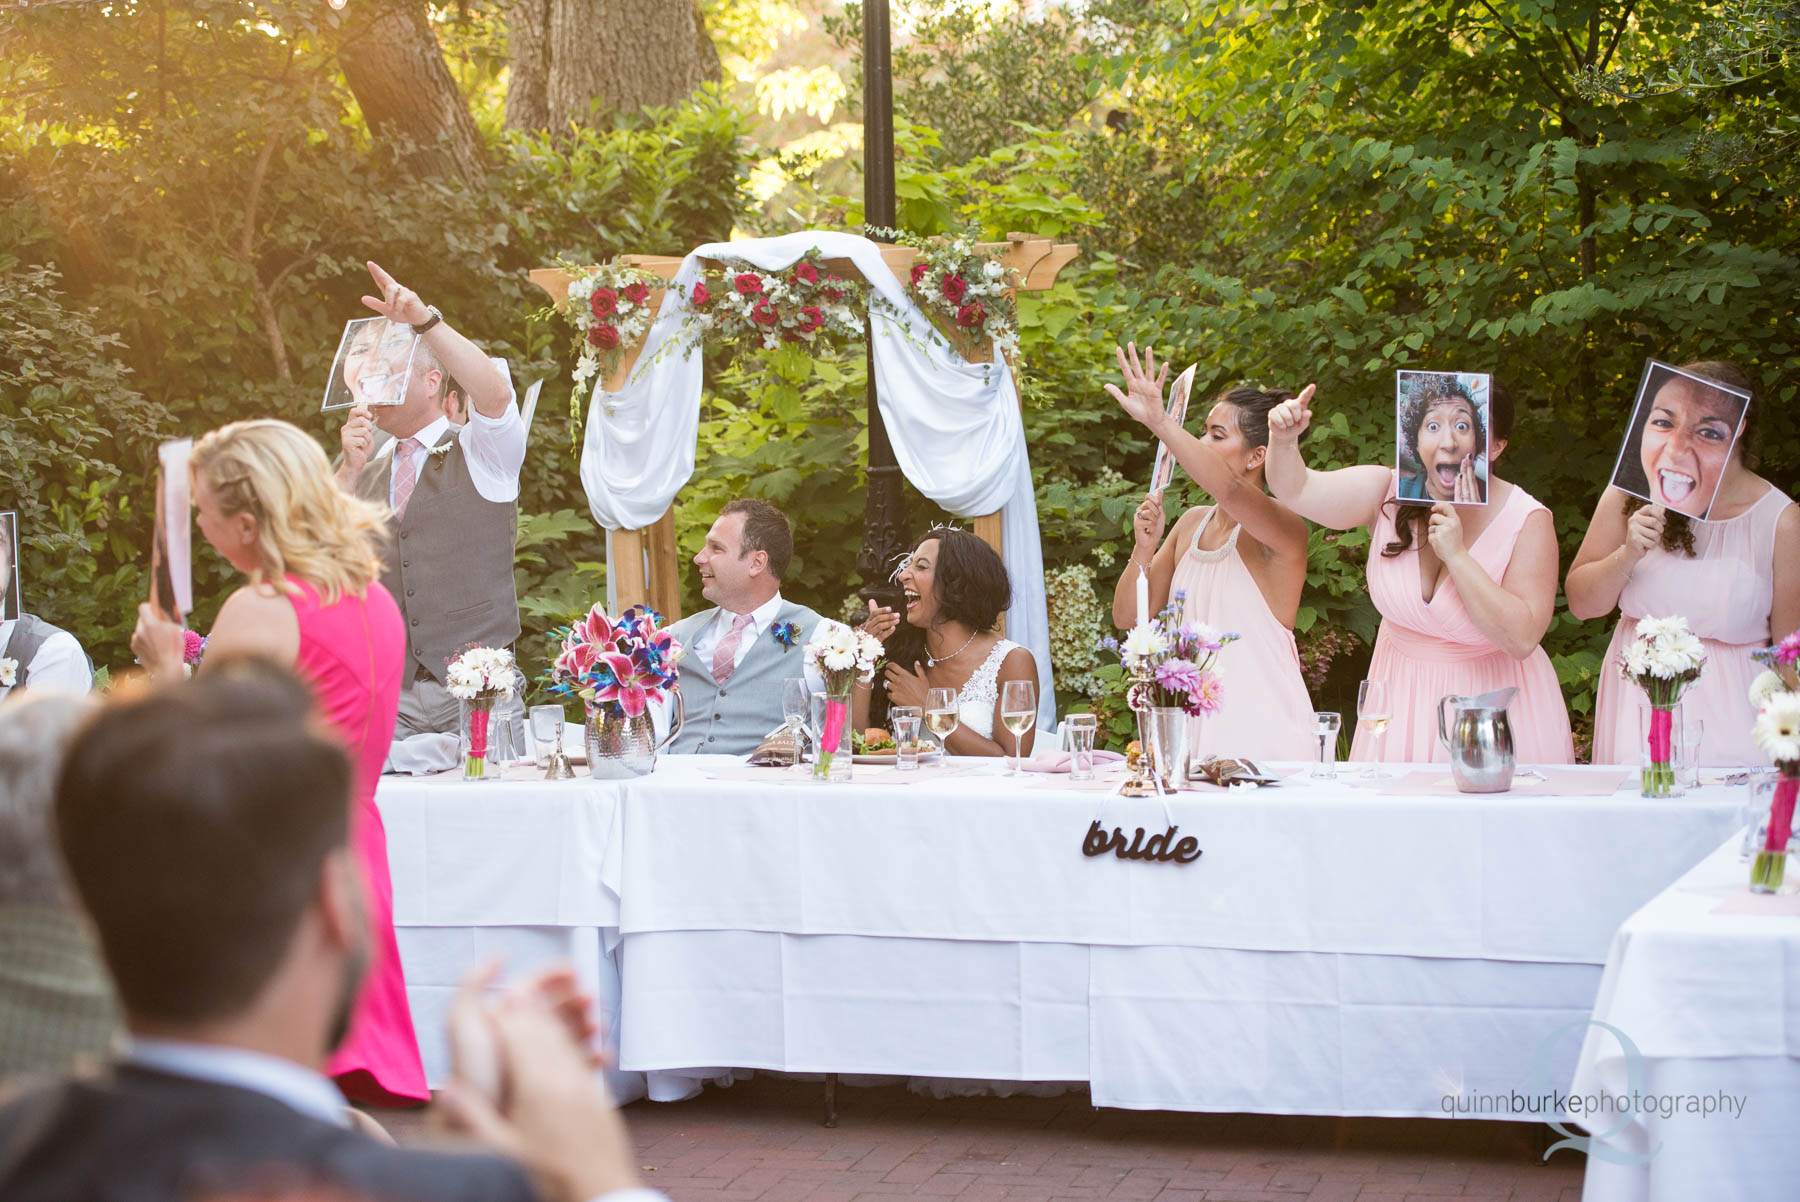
x: 643, y: 565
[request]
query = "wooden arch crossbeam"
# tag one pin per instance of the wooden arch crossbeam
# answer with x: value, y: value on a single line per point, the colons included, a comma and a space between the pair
x: 643, y: 564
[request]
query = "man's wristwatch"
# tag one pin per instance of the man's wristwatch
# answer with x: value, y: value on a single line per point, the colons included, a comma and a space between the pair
x: 429, y: 322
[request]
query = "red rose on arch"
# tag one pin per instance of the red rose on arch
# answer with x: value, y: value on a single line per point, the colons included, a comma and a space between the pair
x: 604, y: 302
x: 701, y: 297
x: 955, y: 288
x: 764, y: 315
x: 636, y: 293
x: 919, y: 271
x: 790, y: 336
x: 811, y: 318
x: 806, y: 273
x: 748, y: 284
x: 971, y: 315
x: 604, y: 336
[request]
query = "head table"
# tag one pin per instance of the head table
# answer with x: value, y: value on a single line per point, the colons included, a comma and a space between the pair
x: 1335, y: 947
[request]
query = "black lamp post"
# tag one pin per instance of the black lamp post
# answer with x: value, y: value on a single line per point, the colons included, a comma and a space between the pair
x: 884, y: 514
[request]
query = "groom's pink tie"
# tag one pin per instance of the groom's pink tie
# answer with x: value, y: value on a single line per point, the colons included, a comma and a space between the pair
x: 725, y: 656
x: 406, y: 474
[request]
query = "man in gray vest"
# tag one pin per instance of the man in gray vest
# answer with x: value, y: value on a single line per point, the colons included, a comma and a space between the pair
x: 737, y: 655
x: 454, y: 492
x: 33, y: 652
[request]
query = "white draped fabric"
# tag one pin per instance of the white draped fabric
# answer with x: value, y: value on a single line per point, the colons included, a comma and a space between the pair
x: 954, y: 425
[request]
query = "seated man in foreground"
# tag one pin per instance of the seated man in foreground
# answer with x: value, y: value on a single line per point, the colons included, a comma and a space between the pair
x: 739, y: 654
x: 205, y: 826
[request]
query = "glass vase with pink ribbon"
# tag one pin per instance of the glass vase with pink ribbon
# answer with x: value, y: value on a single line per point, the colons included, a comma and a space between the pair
x: 479, y: 678
x: 1663, y: 659
x: 842, y: 657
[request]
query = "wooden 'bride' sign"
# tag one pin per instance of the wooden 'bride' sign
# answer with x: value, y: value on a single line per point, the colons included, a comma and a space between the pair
x: 643, y: 563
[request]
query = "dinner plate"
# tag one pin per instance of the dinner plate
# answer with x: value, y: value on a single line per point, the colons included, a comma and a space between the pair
x: 888, y: 757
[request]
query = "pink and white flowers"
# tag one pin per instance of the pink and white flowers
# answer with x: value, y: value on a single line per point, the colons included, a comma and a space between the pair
x: 841, y: 656
x: 480, y: 677
x: 800, y: 303
x: 609, y: 306
x: 618, y: 667
x: 1663, y: 660
x: 1182, y: 659
x: 961, y: 286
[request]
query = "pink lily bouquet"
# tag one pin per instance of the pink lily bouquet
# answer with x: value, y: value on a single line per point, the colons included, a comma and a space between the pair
x: 842, y: 657
x: 478, y: 677
x: 617, y: 668
x: 1777, y: 733
x: 1662, y: 660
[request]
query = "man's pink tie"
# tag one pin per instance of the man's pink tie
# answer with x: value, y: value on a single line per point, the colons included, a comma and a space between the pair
x: 406, y: 474
x: 725, y: 655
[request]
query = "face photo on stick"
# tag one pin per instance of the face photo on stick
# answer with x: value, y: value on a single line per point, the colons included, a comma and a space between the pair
x: 9, y: 566
x: 373, y: 363
x: 1680, y: 439
x: 1441, y: 422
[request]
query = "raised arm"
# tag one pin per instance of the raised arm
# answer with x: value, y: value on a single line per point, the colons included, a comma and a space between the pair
x: 1612, y: 547
x: 1275, y: 526
x: 1514, y: 612
x: 487, y: 389
x: 1784, y: 618
x: 1341, y: 499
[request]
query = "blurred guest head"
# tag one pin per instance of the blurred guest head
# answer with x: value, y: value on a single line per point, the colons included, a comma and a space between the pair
x: 954, y: 576
x: 745, y: 555
x: 37, y: 729
x: 205, y: 826
x: 265, y: 500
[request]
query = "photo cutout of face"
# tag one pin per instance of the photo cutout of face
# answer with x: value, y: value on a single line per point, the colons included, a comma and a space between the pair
x: 9, y: 567
x: 373, y: 364
x: 1680, y: 439
x: 1441, y: 436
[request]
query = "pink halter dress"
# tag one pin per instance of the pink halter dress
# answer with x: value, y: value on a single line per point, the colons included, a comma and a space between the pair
x: 1426, y: 650
x: 1726, y: 592
x: 1267, y: 713
x: 351, y: 655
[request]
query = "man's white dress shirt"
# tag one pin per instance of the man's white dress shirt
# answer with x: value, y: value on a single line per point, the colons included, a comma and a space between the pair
x: 59, y: 664
x: 493, y: 446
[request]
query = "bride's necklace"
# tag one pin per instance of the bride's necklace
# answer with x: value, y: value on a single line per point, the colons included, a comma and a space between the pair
x: 934, y: 661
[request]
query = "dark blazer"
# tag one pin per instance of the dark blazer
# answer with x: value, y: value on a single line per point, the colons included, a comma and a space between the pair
x: 133, y: 1135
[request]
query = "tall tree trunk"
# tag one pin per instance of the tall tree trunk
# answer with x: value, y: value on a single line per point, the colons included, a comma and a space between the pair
x: 625, y: 54
x: 395, y: 67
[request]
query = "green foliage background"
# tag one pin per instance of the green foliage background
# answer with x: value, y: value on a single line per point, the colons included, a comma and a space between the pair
x: 1304, y: 192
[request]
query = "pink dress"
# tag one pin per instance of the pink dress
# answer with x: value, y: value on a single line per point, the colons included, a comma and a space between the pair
x: 1726, y: 592
x: 1429, y: 650
x: 1267, y: 713
x: 351, y: 654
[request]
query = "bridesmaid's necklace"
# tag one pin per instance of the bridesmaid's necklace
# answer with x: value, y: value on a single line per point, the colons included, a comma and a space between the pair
x: 934, y: 661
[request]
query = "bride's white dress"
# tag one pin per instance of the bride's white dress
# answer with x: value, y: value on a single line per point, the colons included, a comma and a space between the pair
x: 975, y: 701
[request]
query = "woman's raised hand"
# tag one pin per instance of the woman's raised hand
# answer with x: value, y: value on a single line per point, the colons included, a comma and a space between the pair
x: 1142, y: 399
x: 1644, y: 531
x: 882, y: 621
x: 1147, y: 526
x: 1289, y: 420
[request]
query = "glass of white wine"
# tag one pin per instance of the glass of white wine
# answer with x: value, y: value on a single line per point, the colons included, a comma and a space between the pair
x: 1018, y: 711
x: 1374, y: 714
x: 941, y: 716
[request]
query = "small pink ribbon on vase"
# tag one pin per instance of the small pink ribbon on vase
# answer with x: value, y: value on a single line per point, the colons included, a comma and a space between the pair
x: 1781, y: 814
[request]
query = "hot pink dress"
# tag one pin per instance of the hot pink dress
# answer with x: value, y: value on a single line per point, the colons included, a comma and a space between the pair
x: 1429, y: 650
x: 1267, y: 713
x: 1726, y: 592
x: 351, y: 654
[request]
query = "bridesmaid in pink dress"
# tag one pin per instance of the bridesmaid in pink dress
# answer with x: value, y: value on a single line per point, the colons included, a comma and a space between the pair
x: 1239, y: 566
x: 264, y: 499
x: 1735, y: 578
x: 1463, y: 608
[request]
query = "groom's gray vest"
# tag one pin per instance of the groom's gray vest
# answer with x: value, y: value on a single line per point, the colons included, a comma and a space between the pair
x: 732, y: 719
x: 30, y: 633
x: 449, y: 562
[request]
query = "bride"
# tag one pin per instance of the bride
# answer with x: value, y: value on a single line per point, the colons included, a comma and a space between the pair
x: 956, y: 588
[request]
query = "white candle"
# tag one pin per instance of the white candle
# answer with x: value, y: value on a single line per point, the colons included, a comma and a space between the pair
x: 1143, y: 597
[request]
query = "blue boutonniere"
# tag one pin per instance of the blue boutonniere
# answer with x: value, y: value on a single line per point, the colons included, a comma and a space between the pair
x: 785, y: 633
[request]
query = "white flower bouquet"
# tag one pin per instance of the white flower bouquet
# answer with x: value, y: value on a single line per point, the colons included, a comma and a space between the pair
x: 1662, y: 660
x: 842, y: 657
x: 1777, y: 733
x: 479, y: 677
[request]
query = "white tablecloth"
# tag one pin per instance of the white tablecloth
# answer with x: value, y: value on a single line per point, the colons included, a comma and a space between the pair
x: 1711, y: 1004
x: 1333, y: 950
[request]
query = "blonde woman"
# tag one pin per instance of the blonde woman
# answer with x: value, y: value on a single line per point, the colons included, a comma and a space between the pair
x: 313, y: 602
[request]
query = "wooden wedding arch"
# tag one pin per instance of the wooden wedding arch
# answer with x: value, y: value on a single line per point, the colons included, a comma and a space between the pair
x: 644, y: 563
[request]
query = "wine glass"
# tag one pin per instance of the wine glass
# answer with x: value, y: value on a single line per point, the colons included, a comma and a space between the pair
x: 1373, y: 712
x: 1018, y: 710
x: 796, y: 705
x: 942, y: 716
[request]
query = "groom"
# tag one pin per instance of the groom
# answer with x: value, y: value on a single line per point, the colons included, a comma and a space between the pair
x: 739, y: 653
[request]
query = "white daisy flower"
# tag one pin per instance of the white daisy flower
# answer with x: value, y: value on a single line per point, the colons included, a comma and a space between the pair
x: 1777, y: 729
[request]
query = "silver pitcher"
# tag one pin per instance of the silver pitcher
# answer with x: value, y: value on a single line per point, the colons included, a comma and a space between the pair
x: 620, y: 747
x: 1479, y: 740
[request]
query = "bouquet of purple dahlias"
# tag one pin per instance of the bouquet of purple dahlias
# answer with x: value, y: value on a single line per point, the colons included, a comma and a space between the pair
x: 1183, y: 659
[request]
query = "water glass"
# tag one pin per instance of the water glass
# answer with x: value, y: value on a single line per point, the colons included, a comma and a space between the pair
x: 1326, y: 726
x: 1692, y: 731
x: 546, y: 732
x: 905, y: 721
x: 1078, y: 731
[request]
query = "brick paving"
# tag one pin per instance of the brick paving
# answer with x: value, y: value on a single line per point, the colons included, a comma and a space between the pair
x: 763, y: 1140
